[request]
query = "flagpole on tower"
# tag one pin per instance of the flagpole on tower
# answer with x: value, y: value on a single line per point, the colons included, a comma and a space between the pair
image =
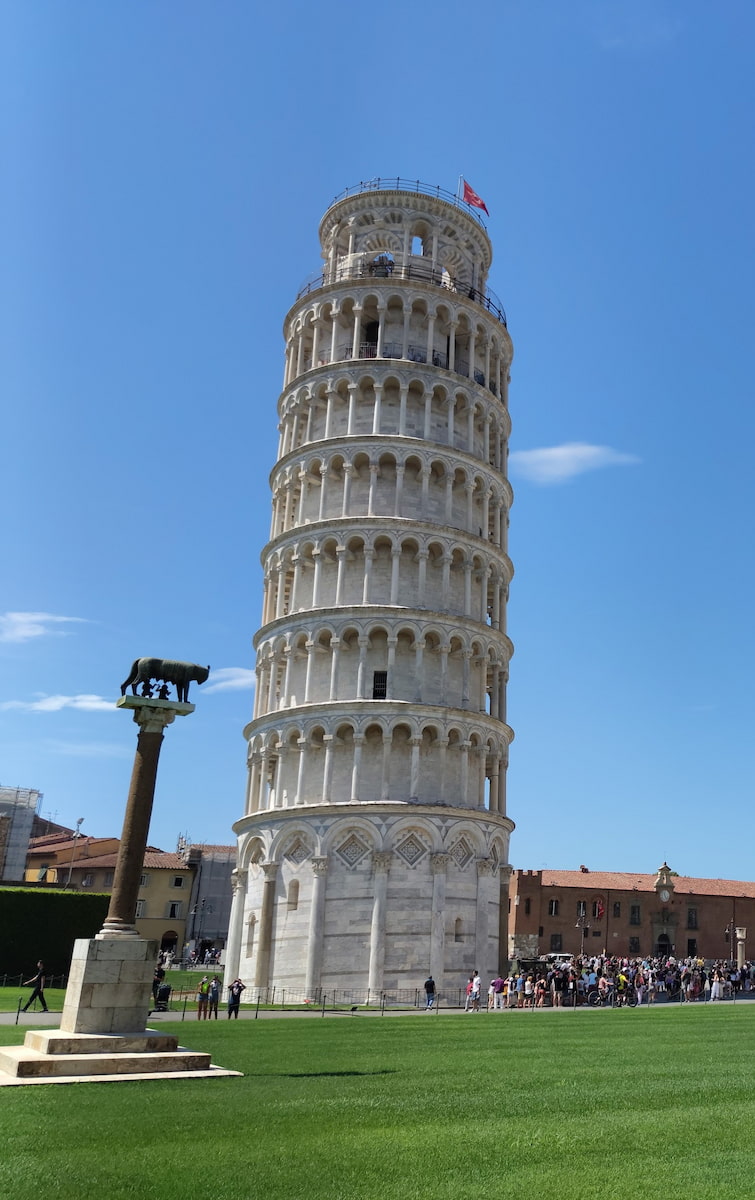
x: 459, y: 187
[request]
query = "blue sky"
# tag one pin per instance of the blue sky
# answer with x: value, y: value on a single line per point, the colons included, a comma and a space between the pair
x: 167, y: 165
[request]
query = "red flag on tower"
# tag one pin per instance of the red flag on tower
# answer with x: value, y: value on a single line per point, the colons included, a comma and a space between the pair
x: 471, y: 197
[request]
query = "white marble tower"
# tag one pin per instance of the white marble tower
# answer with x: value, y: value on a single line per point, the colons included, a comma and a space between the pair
x: 374, y: 845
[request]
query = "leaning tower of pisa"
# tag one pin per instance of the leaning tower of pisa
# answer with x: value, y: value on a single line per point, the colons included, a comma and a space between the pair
x: 374, y: 844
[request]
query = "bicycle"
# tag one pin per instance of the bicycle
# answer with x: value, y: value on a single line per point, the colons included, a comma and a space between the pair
x: 610, y: 998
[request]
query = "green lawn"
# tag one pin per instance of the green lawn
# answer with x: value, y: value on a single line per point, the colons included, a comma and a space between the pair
x: 560, y: 1106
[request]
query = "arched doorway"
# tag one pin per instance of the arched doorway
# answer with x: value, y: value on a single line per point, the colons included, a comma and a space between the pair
x: 663, y: 946
x: 169, y: 941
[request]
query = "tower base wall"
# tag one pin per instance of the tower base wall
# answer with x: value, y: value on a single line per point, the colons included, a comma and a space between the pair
x: 368, y: 901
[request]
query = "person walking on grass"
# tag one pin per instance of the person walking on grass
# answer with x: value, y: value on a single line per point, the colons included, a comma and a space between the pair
x: 429, y: 993
x: 234, y: 998
x: 476, y: 990
x: 203, y: 998
x: 213, y: 998
x: 37, y: 982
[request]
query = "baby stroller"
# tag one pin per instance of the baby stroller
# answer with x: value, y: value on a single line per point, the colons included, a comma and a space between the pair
x: 163, y: 997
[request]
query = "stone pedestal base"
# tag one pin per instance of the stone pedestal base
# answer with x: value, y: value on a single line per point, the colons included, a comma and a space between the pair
x: 103, y: 1034
x: 53, y: 1056
x: 109, y: 986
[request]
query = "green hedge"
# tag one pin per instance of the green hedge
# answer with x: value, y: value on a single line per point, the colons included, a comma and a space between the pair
x: 44, y: 923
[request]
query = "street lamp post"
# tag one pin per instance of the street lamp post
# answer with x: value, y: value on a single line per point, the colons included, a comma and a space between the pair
x: 76, y: 837
x: 200, y: 908
x: 582, y: 925
x: 741, y: 935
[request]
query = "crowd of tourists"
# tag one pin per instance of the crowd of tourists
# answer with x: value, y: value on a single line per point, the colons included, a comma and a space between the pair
x: 618, y: 981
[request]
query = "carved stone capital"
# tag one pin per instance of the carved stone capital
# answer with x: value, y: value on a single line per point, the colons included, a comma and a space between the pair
x: 381, y: 859
x: 484, y: 866
x: 238, y: 878
x: 439, y: 863
x: 319, y: 865
x: 153, y: 715
x: 270, y: 869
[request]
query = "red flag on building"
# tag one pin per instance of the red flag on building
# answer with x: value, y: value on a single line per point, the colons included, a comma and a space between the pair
x: 471, y: 197
x: 600, y: 910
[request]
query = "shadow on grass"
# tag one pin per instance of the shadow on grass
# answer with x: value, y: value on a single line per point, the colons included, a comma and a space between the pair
x: 324, y: 1074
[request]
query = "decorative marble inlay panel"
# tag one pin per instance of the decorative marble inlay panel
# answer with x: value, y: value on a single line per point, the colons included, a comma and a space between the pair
x: 461, y: 853
x: 353, y: 850
x: 297, y: 852
x: 411, y: 850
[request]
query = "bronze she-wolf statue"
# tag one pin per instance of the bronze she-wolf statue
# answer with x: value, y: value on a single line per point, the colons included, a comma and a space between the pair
x: 181, y: 674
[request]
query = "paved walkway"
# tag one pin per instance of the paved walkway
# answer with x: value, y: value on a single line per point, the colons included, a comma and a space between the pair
x: 52, y: 1019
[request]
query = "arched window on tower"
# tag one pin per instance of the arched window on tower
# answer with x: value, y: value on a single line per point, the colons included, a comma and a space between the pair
x: 457, y: 930
x: 250, y: 931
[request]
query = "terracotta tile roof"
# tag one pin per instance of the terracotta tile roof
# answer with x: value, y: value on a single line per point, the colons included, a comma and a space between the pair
x: 213, y: 849
x: 49, y: 839
x: 624, y: 881
x: 153, y: 859
x: 55, y: 842
x: 156, y: 858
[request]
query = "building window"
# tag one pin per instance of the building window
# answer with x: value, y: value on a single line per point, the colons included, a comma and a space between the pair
x: 692, y: 919
x: 553, y: 908
x: 87, y: 880
x: 42, y: 873
x: 634, y: 915
x: 692, y: 947
x: 178, y: 881
x: 540, y: 931
x: 634, y: 945
x: 141, y: 908
x: 109, y: 876
x: 555, y: 943
x: 174, y: 912
x: 597, y: 933
x: 527, y: 906
x: 379, y: 685
x: 457, y: 930
x: 581, y: 908
x: 143, y: 880
x: 616, y: 908
x: 293, y: 894
x: 597, y: 909
x: 250, y: 935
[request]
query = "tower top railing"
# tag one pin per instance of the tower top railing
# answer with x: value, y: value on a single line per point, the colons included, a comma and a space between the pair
x: 396, y: 184
x: 388, y: 266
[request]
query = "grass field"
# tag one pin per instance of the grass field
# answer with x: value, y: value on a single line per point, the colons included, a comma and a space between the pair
x: 560, y: 1106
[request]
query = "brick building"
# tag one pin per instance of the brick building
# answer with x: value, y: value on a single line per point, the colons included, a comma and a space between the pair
x: 619, y: 913
x: 163, y: 908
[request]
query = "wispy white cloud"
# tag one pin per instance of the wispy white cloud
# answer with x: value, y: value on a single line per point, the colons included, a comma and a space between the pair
x: 23, y: 626
x: 43, y: 703
x: 558, y: 464
x: 231, y: 679
x: 88, y: 749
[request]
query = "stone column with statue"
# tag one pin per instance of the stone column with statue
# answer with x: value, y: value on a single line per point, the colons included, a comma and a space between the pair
x: 108, y: 999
